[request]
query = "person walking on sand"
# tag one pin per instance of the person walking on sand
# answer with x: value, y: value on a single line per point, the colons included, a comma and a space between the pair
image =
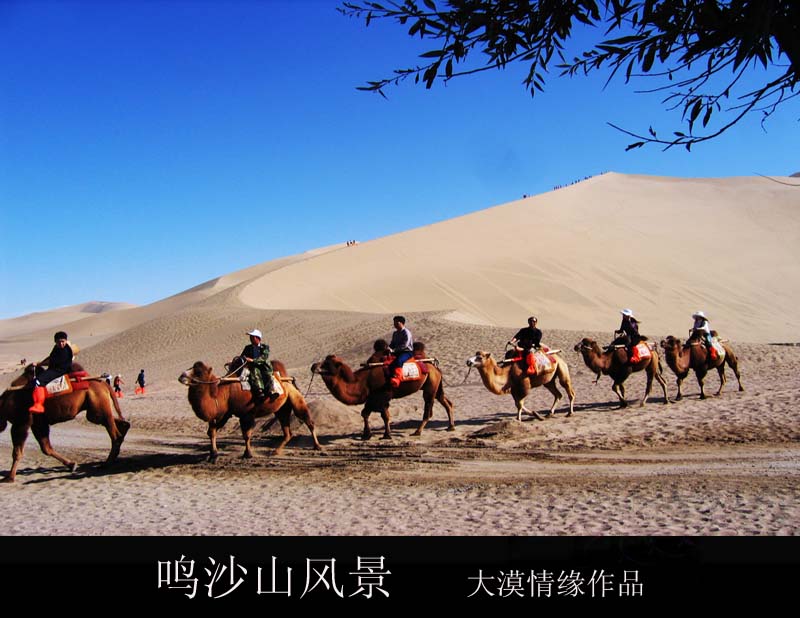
x: 118, y: 382
x: 139, y: 390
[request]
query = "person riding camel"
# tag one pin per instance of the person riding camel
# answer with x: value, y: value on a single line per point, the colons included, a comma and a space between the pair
x: 527, y: 341
x: 402, y: 346
x: 702, y: 330
x: 628, y: 331
x: 58, y: 363
x: 257, y: 357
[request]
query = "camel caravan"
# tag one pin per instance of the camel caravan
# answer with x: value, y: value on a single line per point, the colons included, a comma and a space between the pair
x: 57, y: 389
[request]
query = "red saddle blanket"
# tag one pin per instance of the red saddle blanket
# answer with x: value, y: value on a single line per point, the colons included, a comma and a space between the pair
x: 75, y: 381
x: 640, y: 352
x: 541, y: 359
x: 412, y: 369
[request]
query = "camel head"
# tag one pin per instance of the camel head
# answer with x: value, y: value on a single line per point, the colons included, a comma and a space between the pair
x: 479, y: 359
x: 585, y: 345
x: 198, y: 373
x: 671, y: 343
x: 329, y: 366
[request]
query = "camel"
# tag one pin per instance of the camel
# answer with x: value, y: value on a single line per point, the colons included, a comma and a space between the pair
x: 614, y: 363
x: 215, y: 402
x: 693, y: 355
x: 97, y: 400
x: 512, y: 378
x: 369, y: 386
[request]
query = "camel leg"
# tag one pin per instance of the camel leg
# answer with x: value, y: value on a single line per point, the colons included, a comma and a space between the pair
x: 367, y: 433
x: 41, y: 431
x: 212, y: 436
x: 551, y: 386
x: 619, y: 389
x: 19, y: 433
x: 722, y: 379
x: 448, y: 406
x: 700, y: 379
x: 247, y: 422
x: 521, y: 408
x: 387, y: 424
x: 679, y: 381
x: 427, y: 412
x: 649, y: 387
x: 122, y: 427
x: 284, y: 415
x: 302, y: 412
x: 734, y: 365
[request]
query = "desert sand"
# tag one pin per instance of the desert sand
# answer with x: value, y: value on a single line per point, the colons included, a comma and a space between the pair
x: 727, y: 465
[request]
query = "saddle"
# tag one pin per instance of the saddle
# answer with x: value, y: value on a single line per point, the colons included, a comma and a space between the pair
x: 641, y: 351
x: 413, y: 369
x: 74, y: 381
x: 543, y: 360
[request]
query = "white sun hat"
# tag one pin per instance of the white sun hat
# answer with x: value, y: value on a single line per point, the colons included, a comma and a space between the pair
x: 627, y: 312
x: 256, y: 333
x: 699, y: 314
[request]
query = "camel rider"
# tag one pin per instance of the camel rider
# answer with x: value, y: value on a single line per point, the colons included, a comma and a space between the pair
x: 58, y: 363
x: 528, y: 340
x: 702, y: 330
x: 257, y: 356
x: 402, y: 346
x: 628, y: 331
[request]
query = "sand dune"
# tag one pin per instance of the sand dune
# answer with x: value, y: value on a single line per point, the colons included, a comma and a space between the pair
x: 575, y: 256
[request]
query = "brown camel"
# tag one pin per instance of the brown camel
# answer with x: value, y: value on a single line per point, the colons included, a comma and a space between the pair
x: 512, y: 378
x: 694, y: 355
x: 215, y: 401
x: 98, y: 401
x: 369, y: 386
x: 613, y: 362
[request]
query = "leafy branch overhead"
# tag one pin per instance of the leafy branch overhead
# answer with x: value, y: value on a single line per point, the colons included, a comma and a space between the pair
x: 695, y: 51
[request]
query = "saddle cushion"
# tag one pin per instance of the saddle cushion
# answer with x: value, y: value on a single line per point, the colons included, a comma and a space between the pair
x: 60, y: 386
x: 719, y: 348
x: 640, y: 352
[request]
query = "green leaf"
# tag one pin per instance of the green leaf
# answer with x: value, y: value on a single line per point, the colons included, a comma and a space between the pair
x: 649, y: 59
x: 707, y: 115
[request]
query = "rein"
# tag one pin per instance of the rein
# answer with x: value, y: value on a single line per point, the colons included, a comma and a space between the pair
x: 193, y: 380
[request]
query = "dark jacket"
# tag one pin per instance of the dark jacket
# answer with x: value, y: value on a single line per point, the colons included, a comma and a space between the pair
x: 630, y: 327
x: 60, y: 360
x: 528, y: 337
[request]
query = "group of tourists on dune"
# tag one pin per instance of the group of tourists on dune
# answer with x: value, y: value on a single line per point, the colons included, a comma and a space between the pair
x: 257, y: 386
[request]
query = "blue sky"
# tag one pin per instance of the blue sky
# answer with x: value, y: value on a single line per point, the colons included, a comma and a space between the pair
x: 148, y: 146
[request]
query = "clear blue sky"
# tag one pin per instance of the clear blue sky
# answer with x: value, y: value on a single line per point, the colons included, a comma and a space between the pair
x: 146, y: 146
